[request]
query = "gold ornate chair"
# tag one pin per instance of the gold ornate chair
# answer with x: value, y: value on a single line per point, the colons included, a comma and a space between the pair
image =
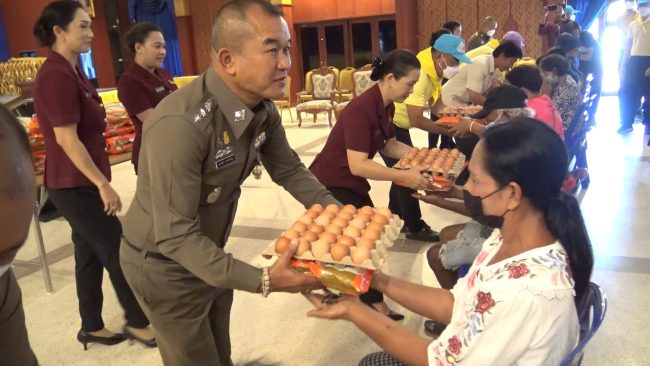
x: 360, y: 83
x: 285, y: 102
x: 323, y: 90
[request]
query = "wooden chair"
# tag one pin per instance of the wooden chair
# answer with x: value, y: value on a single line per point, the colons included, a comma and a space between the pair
x: 345, y: 85
x: 285, y: 101
x: 360, y: 83
x: 323, y: 90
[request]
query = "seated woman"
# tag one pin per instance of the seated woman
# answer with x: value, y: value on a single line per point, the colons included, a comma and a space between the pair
x: 365, y: 127
x: 516, y: 304
x: 529, y: 79
x: 561, y: 87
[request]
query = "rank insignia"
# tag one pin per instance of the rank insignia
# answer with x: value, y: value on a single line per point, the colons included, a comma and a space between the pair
x: 240, y: 115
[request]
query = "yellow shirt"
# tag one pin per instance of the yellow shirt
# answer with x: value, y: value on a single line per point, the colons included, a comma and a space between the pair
x: 427, y: 87
x: 485, y: 49
x: 639, y: 32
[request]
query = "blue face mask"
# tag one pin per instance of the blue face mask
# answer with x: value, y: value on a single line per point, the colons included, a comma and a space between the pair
x: 553, y: 80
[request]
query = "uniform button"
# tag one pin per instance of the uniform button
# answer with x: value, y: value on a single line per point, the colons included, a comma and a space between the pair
x: 214, y: 195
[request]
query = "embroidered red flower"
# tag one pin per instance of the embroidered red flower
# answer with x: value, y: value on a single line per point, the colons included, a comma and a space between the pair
x: 485, y: 302
x: 519, y: 270
x: 454, y: 345
x: 481, y: 257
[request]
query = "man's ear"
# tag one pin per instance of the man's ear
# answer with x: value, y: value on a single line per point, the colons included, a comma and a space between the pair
x: 225, y: 58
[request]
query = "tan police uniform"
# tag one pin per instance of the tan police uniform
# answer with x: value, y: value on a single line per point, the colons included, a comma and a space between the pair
x: 199, y: 145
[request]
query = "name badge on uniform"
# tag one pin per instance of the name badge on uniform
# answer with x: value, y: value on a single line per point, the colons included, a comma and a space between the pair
x: 225, y: 153
x: 259, y: 140
x: 214, y: 195
x: 160, y: 89
x: 240, y: 115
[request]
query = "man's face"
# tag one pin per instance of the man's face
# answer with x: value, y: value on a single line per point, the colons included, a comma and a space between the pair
x: 15, y: 217
x: 263, y: 61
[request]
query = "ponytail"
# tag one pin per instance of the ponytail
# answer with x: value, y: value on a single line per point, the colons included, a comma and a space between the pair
x: 377, y: 69
x: 564, y: 220
x: 398, y: 62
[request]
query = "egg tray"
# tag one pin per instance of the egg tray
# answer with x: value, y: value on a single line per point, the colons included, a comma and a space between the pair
x: 459, y: 111
x: 377, y: 255
x: 455, y: 170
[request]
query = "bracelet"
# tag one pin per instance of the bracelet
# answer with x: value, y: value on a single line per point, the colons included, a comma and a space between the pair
x: 470, y: 126
x: 266, y: 282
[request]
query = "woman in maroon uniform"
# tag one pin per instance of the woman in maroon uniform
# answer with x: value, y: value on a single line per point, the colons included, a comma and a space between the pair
x: 364, y: 128
x: 77, y: 171
x: 144, y: 84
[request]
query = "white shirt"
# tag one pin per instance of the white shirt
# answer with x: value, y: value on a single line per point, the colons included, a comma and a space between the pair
x: 476, y: 76
x: 519, y: 311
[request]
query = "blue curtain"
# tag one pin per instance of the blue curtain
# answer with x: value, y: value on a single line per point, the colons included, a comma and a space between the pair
x: 589, y: 11
x: 4, y: 47
x: 161, y: 13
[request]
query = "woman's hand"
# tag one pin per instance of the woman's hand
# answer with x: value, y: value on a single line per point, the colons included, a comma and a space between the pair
x: 457, y: 129
x: 414, y: 179
x: 112, y: 202
x: 436, y: 196
x: 336, y: 310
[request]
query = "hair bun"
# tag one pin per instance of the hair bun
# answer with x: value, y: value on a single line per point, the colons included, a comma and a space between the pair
x: 377, y: 62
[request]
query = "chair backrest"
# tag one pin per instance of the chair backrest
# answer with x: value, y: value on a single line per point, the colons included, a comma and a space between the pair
x: 361, y: 80
x: 287, y: 89
x: 323, y: 83
x: 181, y: 81
x: 591, y: 312
x: 345, y: 78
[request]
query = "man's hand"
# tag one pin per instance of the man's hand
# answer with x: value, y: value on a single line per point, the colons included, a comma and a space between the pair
x: 286, y: 279
x: 414, y: 179
x: 457, y: 129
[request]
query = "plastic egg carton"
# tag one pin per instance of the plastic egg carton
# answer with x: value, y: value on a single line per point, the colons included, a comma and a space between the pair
x: 377, y: 255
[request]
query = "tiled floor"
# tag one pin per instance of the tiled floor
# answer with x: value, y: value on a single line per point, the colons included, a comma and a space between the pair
x: 275, y: 331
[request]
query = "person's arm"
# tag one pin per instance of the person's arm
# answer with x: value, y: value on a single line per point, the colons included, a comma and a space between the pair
x: 416, y: 103
x: 361, y: 166
x: 442, y: 200
x: 417, y: 119
x: 286, y: 169
x: 142, y: 116
x: 134, y: 98
x: 395, y: 149
x: 475, y: 97
x: 475, y: 82
x: 463, y: 128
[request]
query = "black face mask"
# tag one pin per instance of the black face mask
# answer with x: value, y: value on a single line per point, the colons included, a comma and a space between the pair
x: 475, y: 206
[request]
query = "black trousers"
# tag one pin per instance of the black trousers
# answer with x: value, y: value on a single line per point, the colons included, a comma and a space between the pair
x: 96, y: 237
x: 634, y: 86
x: 400, y: 201
x: 14, y: 343
x: 347, y: 197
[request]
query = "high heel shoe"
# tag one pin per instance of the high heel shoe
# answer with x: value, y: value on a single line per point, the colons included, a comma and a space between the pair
x: 151, y: 343
x: 391, y: 314
x: 84, y: 338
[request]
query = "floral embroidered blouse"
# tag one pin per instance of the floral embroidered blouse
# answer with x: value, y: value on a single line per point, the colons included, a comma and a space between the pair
x: 519, y: 311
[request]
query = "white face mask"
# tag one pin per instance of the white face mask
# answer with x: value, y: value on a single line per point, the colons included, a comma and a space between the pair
x: 450, y: 72
x: 5, y: 268
x: 491, y: 32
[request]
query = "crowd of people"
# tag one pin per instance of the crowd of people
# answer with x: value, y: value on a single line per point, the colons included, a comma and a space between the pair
x: 525, y: 240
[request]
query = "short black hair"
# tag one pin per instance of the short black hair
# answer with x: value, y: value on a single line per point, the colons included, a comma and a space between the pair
x: 451, y: 25
x: 569, y: 26
x: 138, y: 34
x: 526, y: 76
x: 509, y: 49
x: 435, y: 35
x: 236, y: 9
x: 57, y: 13
x: 397, y: 62
x: 568, y: 42
x: 556, y: 63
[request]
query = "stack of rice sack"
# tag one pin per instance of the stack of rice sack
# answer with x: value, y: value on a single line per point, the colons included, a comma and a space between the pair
x: 18, y: 71
x: 37, y: 144
x: 120, y: 131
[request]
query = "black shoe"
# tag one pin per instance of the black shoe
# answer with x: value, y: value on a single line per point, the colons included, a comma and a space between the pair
x: 432, y: 327
x: 84, y: 338
x: 151, y: 343
x: 425, y: 234
x: 391, y: 314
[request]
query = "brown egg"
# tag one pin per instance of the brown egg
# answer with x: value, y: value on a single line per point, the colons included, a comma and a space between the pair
x: 379, y: 218
x: 340, y: 222
x: 367, y: 210
x: 376, y: 226
x: 312, y: 214
x: 334, y: 229
x: 332, y: 208
x: 416, y: 162
x: 371, y: 234
x: 322, y: 220
x: 306, y: 219
x: 328, y: 237
x: 366, y: 243
x: 358, y: 223
x: 299, y: 227
x: 404, y: 163
x: 346, y: 240
x: 316, y: 228
x: 291, y: 234
x: 364, y: 217
x: 310, y: 236
x: 349, y: 208
x: 329, y: 214
x: 360, y: 255
x: 352, y: 231
x: 281, y: 244
x: 339, y: 251
x: 385, y: 211
x: 316, y: 207
x: 303, y: 246
x: 454, y: 152
x: 345, y: 215
x: 319, y: 248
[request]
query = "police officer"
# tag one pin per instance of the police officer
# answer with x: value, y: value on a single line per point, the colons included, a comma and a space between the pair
x: 199, y: 145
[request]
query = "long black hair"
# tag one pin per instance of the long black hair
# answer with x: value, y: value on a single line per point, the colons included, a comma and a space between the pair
x: 398, y: 62
x: 57, y: 13
x: 531, y: 154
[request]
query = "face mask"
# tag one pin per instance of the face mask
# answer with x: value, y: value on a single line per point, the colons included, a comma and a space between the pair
x: 474, y: 205
x: 553, y: 80
x: 450, y: 72
x: 491, y: 32
x: 572, y: 17
x: 5, y: 268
